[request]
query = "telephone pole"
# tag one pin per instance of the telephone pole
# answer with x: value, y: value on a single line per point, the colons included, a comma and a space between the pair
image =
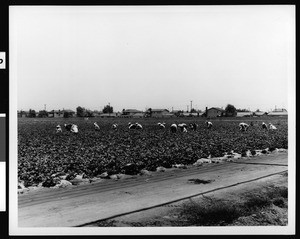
x: 108, y: 109
x: 191, y: 105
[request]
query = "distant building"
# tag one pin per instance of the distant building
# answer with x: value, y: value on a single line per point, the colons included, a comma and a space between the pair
x: 244, y: 114
x: 195, y: 114
x: 55, y: 114
x: 130, y: 112
x: 158, y: 113
x: 188, y: 114
x: 259, y: 113
x: 68, y: 113
x: 278, y: 112
x: 185, y: 114
x: 23, y: 114
x: 214, y: 112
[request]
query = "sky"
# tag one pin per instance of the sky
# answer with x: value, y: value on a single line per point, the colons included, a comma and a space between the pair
x: 152, y: 57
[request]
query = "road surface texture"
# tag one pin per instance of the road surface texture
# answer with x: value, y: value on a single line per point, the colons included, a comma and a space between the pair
x: 84, y: 204
x: 170, y: 215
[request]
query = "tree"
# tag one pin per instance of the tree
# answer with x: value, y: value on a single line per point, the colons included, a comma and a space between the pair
x: 149, y: 113
x: 230, y: 110
x: 89, y: 113
x: 67, y: 114
x: 80, y: 111
x: 243, y: 110
x: 43, y: 113
x: 32, y: 113
x: 193, y: 110
x: 257, y: 110
x: 108, y: 109
x: 179, y: 113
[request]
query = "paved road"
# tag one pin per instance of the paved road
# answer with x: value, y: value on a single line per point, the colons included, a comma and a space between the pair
x: 87, y: 203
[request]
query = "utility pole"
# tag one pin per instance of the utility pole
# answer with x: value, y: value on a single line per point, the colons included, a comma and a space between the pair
x: 191, y: 105
x: 108, y: 109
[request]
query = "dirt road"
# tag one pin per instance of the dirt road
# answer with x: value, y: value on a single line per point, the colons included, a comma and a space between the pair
x: 79, y: 205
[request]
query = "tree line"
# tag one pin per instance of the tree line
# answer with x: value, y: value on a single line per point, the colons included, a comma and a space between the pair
x: 82, y: 112
x: 230, y: 110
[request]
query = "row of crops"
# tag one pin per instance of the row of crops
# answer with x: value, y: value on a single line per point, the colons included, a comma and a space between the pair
x: 42, y: 152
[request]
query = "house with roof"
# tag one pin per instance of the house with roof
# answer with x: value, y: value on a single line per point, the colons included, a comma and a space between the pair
x: 158, y: 113
x: 55, y: 114
x: 214, y: 112
x: 278, y: 112
x: 130, y: 112
x: 259, y: 113
x: 244, y: 114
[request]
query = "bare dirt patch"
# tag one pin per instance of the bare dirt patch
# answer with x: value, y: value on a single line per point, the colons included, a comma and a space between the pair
x: 199, y: 181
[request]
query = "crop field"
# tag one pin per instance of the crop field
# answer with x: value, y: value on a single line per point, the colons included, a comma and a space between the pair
x: 42, y: 152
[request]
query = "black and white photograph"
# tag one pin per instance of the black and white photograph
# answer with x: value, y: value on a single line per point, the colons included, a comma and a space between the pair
x: 160, y: 120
